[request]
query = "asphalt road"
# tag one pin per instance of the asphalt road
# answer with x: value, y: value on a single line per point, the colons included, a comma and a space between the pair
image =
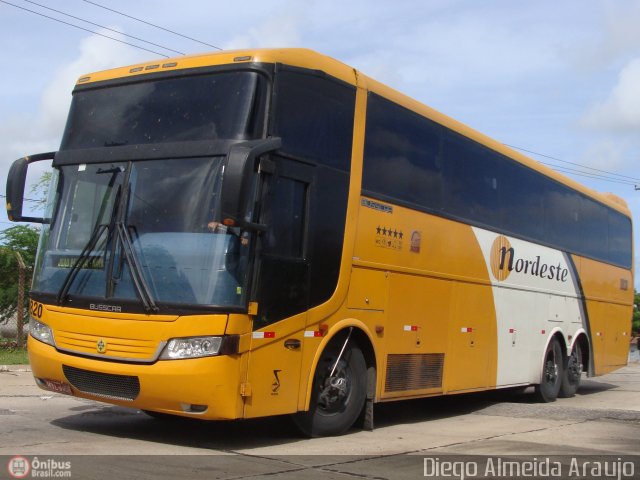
x: 114, y: 442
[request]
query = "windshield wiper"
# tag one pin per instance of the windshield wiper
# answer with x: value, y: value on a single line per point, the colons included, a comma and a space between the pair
x: 117, y: 228
x: 93, y: 239
x: 122, y: 237
x: 79, y: 263
x: 122, y: 234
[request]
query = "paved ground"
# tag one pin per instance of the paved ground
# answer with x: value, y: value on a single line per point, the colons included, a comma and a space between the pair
x: 603, y: 419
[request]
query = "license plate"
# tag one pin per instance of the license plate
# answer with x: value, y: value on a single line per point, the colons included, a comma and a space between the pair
x: 57, y: 386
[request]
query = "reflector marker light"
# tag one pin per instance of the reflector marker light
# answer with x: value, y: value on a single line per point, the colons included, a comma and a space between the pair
x: 152, y: 67
x: 313, y: 333
x: 264, y: 335
x: 410, y: 328
x: 466, y: 330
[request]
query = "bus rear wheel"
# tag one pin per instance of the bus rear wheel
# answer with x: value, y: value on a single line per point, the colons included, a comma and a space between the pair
x: 552, y: 373
x: 572, y: 373
x: 337, y: 399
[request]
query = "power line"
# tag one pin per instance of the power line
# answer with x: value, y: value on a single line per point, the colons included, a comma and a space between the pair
x: 635, y: 179
x: 557, y: 167
x: 589, y: 175
x: 82, y: 28
x: 152, y: 24
x: 102, y: 26
x: 608, y: 176
x: 598, y: 176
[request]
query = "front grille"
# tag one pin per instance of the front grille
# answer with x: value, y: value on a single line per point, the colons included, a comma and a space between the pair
x: 414, y: 371
x: 106, y: 385
x: 129, y: 349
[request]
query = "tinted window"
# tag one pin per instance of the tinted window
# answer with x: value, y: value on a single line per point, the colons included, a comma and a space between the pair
x: 594, y: 228
x: 204, y: 107
x: 521, y: 202
x: 413, y: 161
x: 284, y: 290
x: 402, y: 155
x: 314, y: 117
x: 561, y: 216
x: 285, y: 217
x: 328, y: 211
x: 304, y: 209
x: 619, y: 239
x: 284, y: 272
x: 473, y: 180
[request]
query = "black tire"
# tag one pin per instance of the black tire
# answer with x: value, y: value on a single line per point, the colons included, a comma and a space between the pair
x: 572, y: 373
x: 552, y: 373
x: 335, y: 404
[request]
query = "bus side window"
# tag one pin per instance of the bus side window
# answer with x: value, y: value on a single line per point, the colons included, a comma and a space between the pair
x: 285, y: 217
x: 402, y: 156
x: 474, y: 180
x: 283, y: 246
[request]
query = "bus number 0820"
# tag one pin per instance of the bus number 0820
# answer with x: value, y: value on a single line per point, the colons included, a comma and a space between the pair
x: 36, y: 309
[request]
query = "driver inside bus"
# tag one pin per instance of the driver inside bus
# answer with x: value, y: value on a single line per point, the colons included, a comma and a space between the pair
x: 217, y: 227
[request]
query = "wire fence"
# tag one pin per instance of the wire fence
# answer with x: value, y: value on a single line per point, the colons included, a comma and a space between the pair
x: 13, y: 327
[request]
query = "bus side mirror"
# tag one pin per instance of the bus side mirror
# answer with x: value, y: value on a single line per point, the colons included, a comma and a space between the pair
x: 239, y: 174
x: 15, y: 187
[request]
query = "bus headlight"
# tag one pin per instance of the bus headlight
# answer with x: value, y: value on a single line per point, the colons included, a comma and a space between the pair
x: 196, y: 347
x: 40, y: 331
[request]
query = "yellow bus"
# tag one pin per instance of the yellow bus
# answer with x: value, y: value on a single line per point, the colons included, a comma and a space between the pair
x: 265, y: 232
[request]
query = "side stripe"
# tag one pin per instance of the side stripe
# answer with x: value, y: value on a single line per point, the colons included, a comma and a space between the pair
x: 582, y: 302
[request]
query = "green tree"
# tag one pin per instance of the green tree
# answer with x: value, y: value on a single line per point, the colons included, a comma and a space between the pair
x: 24, y: 240
x: 635, y: 327
x: 40, y: 189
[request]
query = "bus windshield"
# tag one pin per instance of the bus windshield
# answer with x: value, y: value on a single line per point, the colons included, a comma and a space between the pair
x: 158, y: 220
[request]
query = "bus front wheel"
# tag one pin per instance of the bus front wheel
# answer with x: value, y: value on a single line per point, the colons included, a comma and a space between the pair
x: 338, y: 392
x: 552, y: 373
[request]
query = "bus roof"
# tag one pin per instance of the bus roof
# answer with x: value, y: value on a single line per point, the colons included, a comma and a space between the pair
x: 298, y: 57
x: 305, y: 58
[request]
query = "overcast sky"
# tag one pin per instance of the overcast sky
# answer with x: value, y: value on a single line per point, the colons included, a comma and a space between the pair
x: 558, y: 78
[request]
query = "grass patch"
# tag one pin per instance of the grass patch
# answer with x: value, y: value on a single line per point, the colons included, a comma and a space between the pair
x: 11, y: 354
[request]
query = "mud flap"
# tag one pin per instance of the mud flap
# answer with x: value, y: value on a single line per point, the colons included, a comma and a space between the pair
x: 367, y: 414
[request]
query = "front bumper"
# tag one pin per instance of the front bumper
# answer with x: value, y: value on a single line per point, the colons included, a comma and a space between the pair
x: 208, y: 388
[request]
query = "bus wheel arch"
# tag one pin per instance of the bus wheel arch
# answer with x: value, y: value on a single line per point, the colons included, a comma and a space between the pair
x: 343, y: 385
x: 552, y: 371
x: 365, y: 344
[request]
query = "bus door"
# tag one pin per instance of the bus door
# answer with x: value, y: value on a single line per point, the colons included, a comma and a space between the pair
x: 282, y: 288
